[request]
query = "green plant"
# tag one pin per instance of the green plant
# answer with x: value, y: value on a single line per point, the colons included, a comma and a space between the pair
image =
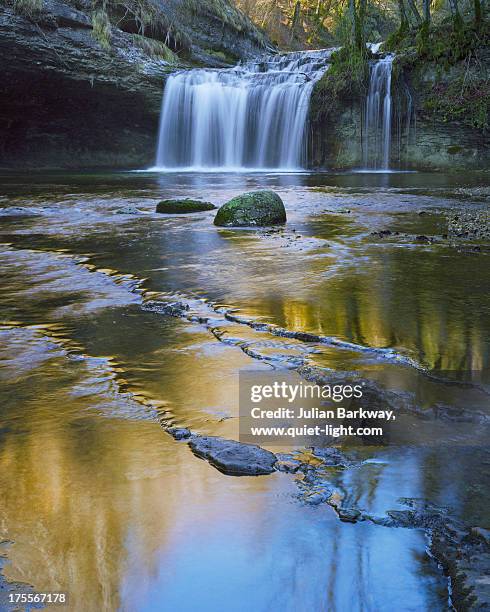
x: 155, y: 48
x: 28, y: 8
x: 101, y: 27
x: 227, y: 58
x: 143, y: 12
x: 448, y: 44
x: 465, y: 103
x: 223, y: 10
x: 399, y: 39
x: 346, y: 79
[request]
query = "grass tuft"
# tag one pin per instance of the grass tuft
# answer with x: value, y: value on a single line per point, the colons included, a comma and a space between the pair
x: 155, y: 49
x: 28, y: 8
x: 101, y: 28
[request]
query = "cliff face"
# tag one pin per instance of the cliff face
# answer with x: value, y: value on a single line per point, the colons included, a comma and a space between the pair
x: 426, y: 145
x: 82, y: 87
x: 434, y: 126
x: 79, y: 91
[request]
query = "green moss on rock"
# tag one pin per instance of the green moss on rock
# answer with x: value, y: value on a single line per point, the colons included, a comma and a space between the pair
x: 179, y: 207
x: 346, y: 81
x: 255, y: 208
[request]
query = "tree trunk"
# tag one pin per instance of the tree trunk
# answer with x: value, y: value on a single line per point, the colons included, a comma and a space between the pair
x: 360, y: 26
x: 353, y: 19
x: 415, y: 11
x: 427, y: 11
x: 356, y: 18
x: 296, y: 14
x: 403, y: 15
x: 478, y: 12
x: 295, y: 19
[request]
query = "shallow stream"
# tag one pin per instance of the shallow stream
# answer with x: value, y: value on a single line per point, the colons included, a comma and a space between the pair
x: 98, y: 501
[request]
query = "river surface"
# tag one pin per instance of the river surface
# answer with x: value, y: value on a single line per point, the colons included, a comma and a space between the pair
x: 98, y: 501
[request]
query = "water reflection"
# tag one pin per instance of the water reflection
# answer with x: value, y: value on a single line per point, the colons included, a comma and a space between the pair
x: 97, y: 182
x: 98, y: 500
x: 120, y: 516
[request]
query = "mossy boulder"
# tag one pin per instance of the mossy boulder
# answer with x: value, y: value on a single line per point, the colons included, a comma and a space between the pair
x: 179, y: 207
x: 255, y: 208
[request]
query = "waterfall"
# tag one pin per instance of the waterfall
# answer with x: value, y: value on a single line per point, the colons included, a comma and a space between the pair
x: 251, y: 116
x: 377, y: 127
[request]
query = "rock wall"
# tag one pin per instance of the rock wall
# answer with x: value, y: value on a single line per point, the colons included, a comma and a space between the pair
x: 335, y: 142
x: 423, y: 138
x: 70, y: 100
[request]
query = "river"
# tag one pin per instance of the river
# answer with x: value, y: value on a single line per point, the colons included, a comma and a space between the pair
x: 98, y: 501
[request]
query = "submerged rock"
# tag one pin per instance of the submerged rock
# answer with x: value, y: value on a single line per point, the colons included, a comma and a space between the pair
x: 349, y: 515
x: 234, y: 458
x: 470, y: 224
x: 333, y: 457
x: 128, y: 210
x: 179, y: 207
x: 254, y: 208
x: 286, y: 463
x: 463, y: 553
x: 179, y: 433
x: 317, y: 497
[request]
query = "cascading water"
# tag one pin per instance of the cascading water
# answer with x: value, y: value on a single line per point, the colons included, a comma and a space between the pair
x: 377, y: 128
x: 251, y: 116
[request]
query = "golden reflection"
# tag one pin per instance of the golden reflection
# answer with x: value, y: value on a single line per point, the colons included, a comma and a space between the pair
x: 81, y: 494
x: 391, y: 305
x: 94, y: 492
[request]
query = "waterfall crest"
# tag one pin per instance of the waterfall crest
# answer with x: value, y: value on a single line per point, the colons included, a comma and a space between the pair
x: 251, y: 116
x: 377, y: 124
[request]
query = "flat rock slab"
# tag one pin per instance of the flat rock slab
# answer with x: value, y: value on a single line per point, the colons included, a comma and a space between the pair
x: 234, y: 458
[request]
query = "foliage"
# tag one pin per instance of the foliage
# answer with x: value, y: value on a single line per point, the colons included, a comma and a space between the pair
x: 141, y: 18
x: 379, y: 22
x: 144, y: 13
x: 448, y: 45
x: 319, y: 23
x: 470, y: 108
x: 226, y: 58
x: 154, y: 48
x: 223, y: 10
x: 398, y: 38
x: 464, y: 101
x: 346, y: 79
x: 28, y: 8
x: 101, y: 28
x: 293, y: 24
x: 327, y: 22
x: 149, y: 20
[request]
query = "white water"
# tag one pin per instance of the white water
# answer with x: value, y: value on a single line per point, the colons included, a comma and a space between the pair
x: 252, y: 116
x: 377, y: 128
x: 375, y: 47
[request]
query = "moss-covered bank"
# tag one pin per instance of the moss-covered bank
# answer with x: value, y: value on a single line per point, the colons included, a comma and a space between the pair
x: 441, y: 100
